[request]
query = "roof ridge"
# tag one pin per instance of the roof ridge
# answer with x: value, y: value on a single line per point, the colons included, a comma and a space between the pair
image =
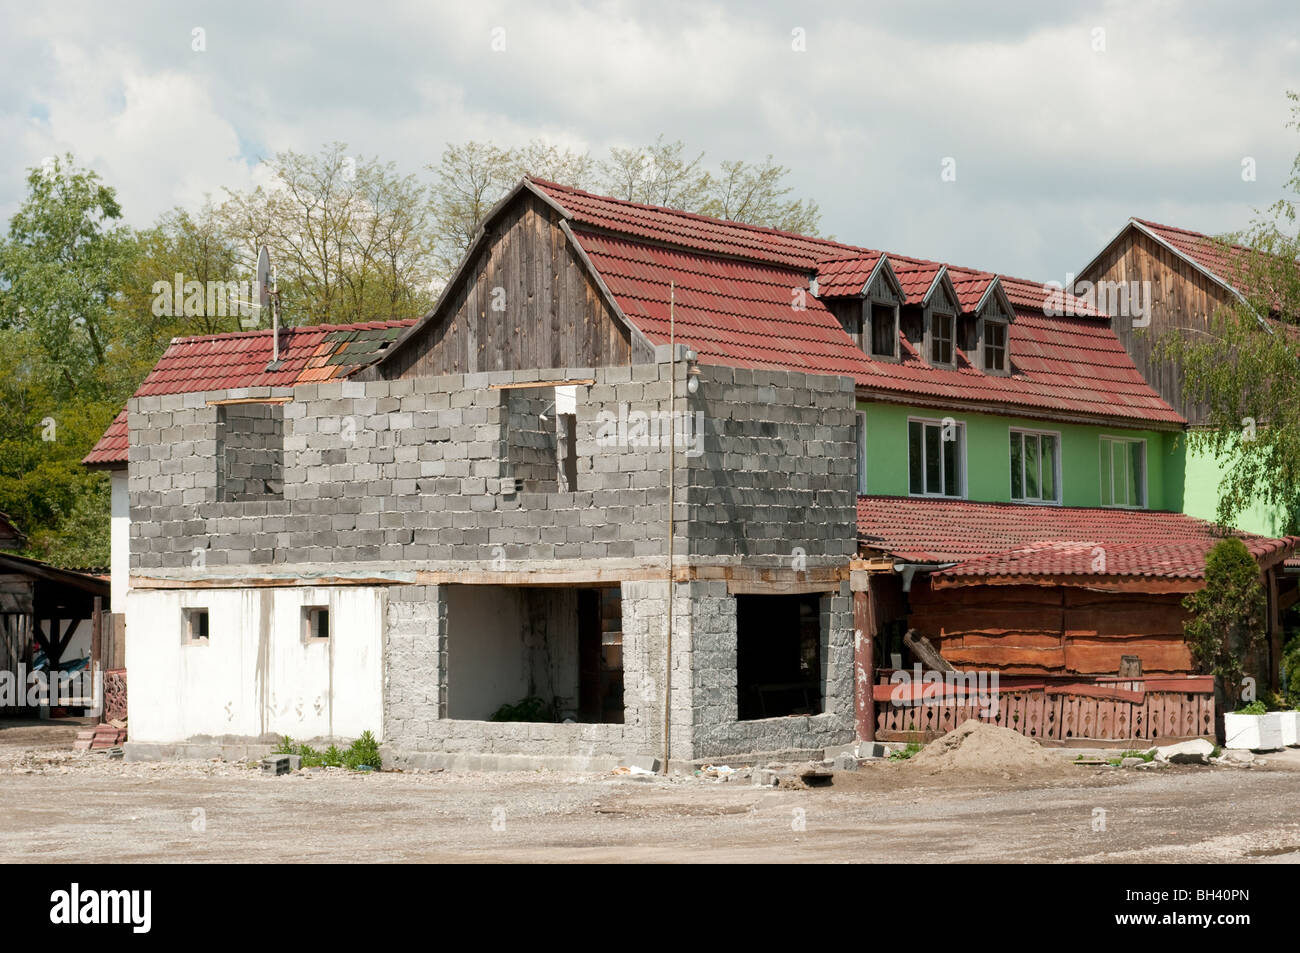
x: 699, y: 216
x: 351, y: 326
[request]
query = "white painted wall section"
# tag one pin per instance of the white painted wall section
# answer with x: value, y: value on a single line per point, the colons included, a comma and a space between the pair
x: 257, y: 677
x: 119, y: 539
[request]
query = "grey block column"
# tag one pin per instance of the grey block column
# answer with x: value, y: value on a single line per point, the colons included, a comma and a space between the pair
x: 415, y: 667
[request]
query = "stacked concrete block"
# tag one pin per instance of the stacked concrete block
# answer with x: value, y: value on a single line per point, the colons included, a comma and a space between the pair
x: 250, y: 452
x: 415, y: 667
x: 717, y: 730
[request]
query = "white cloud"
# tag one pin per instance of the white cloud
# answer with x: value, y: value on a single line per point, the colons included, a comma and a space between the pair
x: 1056, y: 144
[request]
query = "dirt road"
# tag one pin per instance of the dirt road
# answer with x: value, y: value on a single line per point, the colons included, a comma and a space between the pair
x: 85, y: 808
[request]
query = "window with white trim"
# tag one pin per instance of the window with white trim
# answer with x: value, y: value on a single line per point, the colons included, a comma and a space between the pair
x: 1123, y: 472
x: 862, y: 452
x: 936, y: 451
x: 1035, y: 466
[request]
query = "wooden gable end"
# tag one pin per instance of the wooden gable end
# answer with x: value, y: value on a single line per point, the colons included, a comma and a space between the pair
x: 1181, y: 297
x: 525, y: 299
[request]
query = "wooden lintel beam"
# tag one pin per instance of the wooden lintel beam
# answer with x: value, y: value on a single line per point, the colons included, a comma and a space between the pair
x: 582, y: 381
x: 249, y: 400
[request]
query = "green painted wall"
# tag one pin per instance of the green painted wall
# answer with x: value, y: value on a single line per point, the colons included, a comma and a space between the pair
x: 988, y: 457
x: 1200, y: 477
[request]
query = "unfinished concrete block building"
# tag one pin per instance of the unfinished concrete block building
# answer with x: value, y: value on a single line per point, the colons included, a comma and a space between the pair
x: 531, y: 531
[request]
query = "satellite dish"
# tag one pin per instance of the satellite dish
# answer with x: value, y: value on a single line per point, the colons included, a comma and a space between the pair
x: 268, y: 297
x: 263, y: 279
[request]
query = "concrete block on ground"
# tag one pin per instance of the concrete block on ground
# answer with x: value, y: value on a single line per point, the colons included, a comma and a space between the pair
x: 276, y: 764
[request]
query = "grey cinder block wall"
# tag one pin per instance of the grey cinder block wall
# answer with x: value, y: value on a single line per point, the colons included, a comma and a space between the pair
x: 415, y: 473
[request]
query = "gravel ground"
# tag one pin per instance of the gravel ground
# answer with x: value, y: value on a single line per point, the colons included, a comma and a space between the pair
x: 84, y: 807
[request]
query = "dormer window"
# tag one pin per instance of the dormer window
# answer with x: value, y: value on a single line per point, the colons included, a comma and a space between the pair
x: 884, y: 330
x: 940, y: 338
x: 993, y: 347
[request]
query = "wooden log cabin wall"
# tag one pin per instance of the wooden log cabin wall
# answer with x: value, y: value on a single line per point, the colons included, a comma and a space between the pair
x: 1051, y: 630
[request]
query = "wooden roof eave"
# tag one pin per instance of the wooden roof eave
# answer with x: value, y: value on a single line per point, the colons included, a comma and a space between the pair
x: 608, y: 296
x: 1140, y: 584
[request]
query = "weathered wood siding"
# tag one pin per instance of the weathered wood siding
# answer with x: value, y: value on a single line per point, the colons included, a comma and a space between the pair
x: 1181, y: 298
x: 1052, y: 630
x: 525, y: 301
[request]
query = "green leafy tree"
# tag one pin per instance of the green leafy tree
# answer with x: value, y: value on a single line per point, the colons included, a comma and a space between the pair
x: 1227, y: 619
x: 1243, y: 366
x: 61, y: 267
x: 350, y: 237
x: 473, y: 176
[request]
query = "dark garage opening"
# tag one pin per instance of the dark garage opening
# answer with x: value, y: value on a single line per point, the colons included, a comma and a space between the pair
x: 778, y: 655
x: 541, y: 654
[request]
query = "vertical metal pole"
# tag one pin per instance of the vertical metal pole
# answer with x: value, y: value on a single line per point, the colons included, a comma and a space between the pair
x: 672, y: 474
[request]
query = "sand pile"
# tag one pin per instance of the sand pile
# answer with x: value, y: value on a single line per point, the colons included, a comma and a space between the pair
x: 976, y: 747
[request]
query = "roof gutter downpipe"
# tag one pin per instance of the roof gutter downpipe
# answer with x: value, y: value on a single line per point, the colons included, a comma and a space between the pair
x: 909, y: 570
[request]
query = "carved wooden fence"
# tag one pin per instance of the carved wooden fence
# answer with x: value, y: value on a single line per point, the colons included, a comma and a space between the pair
x: 1060, y: 710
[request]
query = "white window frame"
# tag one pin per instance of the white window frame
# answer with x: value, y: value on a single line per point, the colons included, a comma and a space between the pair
x: 860, y: 418
x: 961, y: 457
x: 1106, y: 468
x: 1056, y: 477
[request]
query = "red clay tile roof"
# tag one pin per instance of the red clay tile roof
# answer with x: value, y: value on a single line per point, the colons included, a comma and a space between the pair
x: 735, y: 312
x: 971, y: 286
x: 220, y: 361
x: 1016, y: 541
x: 700, y: 232
x: 916, y: 277
x: 739, y: 312
x: 846, y: 276
x: 1225, y: 263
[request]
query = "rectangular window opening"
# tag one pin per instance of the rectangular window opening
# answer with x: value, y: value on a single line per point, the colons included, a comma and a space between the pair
x: 194, y: 626
x: 779, y: 656
x: 995, y: 346
x: 1035, y: 467
x: 534, y: 654
x: 884, y: 330
x: 935, y: 455
x: 1123, y: 472
x: 315, y: 623
x: 250, y: 452
x: 941, y: 338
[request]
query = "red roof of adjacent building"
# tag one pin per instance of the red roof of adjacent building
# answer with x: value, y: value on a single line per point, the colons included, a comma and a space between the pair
x: 1225, y: 262
x: 990, y: 541
x: 757, y: 311
x: 308, y: 355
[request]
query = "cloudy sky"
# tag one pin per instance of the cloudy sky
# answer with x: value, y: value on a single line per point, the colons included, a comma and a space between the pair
x: 1063, y: 119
